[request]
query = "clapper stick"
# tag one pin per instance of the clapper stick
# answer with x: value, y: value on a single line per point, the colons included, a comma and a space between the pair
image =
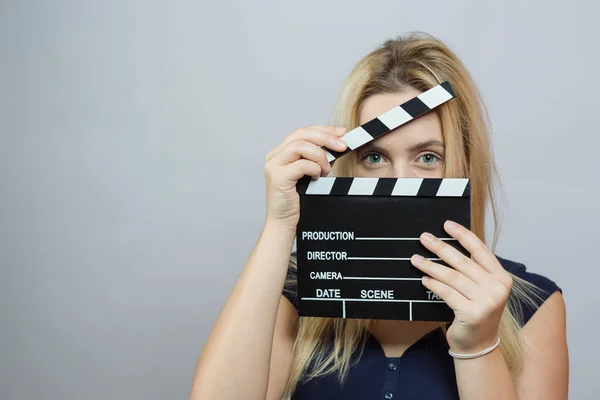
x: 355, y: 236
x: 394, y: 118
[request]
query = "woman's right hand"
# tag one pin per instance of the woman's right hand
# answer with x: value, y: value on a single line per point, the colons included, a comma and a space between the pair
x: 299, y: 154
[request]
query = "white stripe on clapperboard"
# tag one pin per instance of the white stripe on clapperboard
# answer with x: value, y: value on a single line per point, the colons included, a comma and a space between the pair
x: 362, y: 186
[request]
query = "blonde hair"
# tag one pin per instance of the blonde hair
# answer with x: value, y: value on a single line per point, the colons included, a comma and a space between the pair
x: 420, y: 61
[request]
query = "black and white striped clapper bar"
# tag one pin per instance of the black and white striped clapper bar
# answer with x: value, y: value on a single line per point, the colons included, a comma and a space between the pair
x: 355, y: 236
x: 394, y: 118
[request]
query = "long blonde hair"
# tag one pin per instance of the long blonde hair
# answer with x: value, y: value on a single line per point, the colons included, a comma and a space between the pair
x: 420, y: 61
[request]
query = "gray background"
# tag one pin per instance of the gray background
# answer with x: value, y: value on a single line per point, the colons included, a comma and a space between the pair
x: 132, y: 143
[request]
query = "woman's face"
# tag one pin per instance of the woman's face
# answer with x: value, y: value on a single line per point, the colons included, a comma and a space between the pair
x: 413, y: 150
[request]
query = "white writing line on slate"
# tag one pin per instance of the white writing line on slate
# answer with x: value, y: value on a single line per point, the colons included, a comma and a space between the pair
x: 394, y: 238
x: 381, y: 278
x: 392, y: 300
x: 388, y: 258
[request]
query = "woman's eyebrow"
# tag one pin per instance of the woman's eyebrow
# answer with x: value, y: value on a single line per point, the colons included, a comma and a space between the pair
x: 372, y: 147
x: 425, y: 144
x: 415, y: 147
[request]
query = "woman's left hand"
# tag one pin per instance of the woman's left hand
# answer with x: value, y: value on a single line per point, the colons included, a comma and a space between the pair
x: 476, y: 288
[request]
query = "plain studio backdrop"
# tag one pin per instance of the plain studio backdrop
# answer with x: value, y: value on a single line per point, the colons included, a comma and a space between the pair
x: 133, y: 137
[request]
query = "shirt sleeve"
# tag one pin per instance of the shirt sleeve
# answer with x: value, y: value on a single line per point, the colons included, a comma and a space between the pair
x: 545, y: 287
x: 291, y: 281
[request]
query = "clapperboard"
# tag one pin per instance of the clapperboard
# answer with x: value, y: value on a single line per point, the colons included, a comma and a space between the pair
x: 355, y: 236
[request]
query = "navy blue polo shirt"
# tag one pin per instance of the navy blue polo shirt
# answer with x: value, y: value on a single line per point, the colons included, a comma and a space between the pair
x: 424, y: 371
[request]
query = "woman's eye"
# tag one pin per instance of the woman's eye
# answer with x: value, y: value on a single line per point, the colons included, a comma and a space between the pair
x: 429, y: 159
x: 373, y: 158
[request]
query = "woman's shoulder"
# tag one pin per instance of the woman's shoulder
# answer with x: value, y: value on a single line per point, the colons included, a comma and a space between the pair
x: 544, y: 286
x: 520, y: 270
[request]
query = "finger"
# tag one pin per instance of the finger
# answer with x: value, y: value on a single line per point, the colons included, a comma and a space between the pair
x: 300, y: 168
x: 455, y: 258
x: 453, y: 298
x: 318, y: 134
x: 449, y: 276
x: 335, y: 129
x: 302, y: 149
x: 481, y: 254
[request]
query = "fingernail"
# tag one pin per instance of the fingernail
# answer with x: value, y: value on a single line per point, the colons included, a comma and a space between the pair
x: 340, y: 143
x: 428, y: 237
x: 424, y: 279
x: 340, y: 129
x: 417, y: 258
x: 451, y: 224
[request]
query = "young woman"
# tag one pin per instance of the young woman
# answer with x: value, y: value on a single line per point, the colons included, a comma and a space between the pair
x: 508, y: 338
